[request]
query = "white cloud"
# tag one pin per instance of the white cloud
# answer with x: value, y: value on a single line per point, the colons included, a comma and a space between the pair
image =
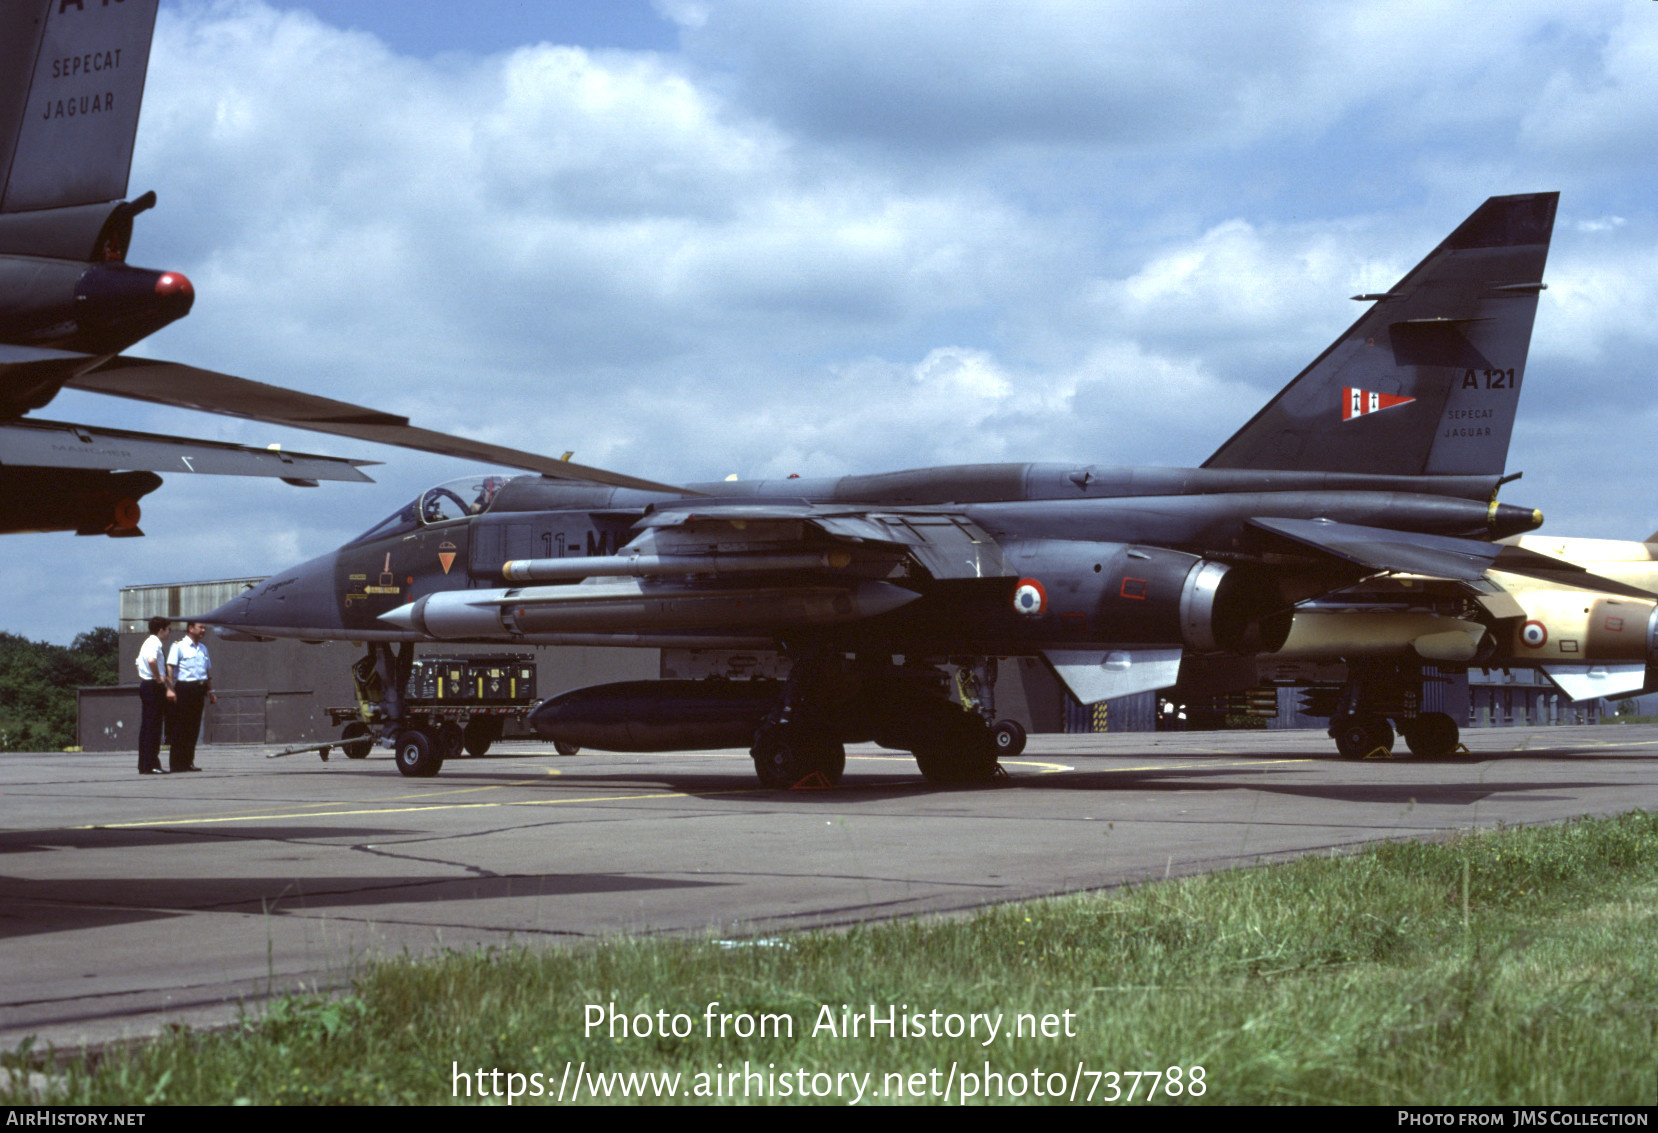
x: 1595, y: 312
x: 1170, y: 76
x: 1601, y: 106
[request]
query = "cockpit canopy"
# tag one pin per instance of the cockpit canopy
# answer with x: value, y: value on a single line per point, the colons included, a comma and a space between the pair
x: 451, y: 500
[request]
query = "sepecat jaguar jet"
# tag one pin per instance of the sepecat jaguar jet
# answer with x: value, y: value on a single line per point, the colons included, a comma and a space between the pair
x: 71, y: 81
x: 1383, y: 456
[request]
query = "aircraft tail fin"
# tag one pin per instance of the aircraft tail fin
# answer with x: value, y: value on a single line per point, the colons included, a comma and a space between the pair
x: 71, y: 82
x: 1428, y: 379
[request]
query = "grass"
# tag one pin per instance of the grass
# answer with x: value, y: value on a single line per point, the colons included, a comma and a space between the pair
x: 1512, y: 967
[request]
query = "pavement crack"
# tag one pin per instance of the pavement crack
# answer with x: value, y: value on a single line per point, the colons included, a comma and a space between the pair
x: 468, y: 867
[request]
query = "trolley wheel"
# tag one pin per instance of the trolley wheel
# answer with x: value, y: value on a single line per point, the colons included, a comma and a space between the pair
x: 355, y: 740
x: 417, y: 754
x: 566, y: 749
x: 449, y: 740
x: 481, y: 732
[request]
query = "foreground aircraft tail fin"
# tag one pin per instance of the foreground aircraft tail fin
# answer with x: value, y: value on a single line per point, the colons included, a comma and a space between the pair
x: 1427, y: 380
x: 71, y: 81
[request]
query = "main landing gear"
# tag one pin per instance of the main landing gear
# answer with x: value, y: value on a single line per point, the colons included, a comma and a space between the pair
x: 956, y: 746
x: 830, y: 701
x: 1361, y: 711
x: 1431, y: 735
x: 800, y: 744
x: 797, y: 755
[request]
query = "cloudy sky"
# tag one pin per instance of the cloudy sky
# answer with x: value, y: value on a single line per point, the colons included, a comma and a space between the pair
x: 689, y: 239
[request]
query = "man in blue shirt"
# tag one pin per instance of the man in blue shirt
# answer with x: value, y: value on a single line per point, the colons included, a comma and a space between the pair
x: 190, y: 687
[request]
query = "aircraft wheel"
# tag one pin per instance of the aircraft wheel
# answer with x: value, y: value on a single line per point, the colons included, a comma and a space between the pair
x: 936, y: 762
x: 785, y: 757
x: 1432, y: 735
x: 355, y: 740
x: 480, y: 734
x: 566, y: 749
x: 417, y: 754
x: 1010, y: 737
x: 1359, y: 735
x: 965, y: 753
x: 449, y: 740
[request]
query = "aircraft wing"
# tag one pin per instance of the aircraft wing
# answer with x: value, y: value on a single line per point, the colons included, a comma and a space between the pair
x: 55, y: 444
x: 189, y: 387
x: 946, y: 543
x: 1382, y: 550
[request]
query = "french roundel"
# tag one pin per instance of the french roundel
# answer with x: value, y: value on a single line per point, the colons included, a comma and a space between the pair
x: 1534, y: 635
x: 1029, y: 598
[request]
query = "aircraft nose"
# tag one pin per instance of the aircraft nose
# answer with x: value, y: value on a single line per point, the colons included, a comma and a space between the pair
x: 297, y: 602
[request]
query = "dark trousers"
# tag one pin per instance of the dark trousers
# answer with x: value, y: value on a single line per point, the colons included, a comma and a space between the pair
x: 186, y: 723
x: 152, y: 698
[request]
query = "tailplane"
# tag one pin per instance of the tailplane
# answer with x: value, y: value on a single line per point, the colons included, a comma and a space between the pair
x: 1428, y: 380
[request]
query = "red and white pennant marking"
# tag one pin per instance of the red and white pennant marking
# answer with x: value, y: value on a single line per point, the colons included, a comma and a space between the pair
x: 1359, y: 402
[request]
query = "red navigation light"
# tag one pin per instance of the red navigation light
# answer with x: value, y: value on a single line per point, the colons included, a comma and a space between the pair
x: 173, y: 283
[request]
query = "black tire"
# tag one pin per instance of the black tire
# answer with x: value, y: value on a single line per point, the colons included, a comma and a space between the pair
x: 1432, y: 735
x: 448, y: 738
x: 417, y: 754
x: 966, y: 752
x: 566, y: 749
x: 355, y: 740
x: 936, y: 762
x: 1009, y: 736
x: 788, y: 756
x: 481, y: 732
x: 1361, y: 735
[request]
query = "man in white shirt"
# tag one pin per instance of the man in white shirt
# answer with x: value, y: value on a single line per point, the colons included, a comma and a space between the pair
x: 189, y: 687
x: 152, y: 695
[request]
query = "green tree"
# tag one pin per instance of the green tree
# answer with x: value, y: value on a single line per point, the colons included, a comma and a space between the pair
x: 38, y: 682
x: 101, y: 649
